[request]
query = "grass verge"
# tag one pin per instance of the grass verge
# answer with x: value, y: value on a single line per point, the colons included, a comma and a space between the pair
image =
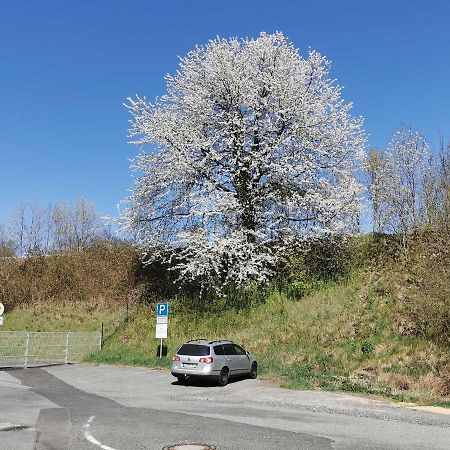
x: 342, y: 337
x: 55, y: 317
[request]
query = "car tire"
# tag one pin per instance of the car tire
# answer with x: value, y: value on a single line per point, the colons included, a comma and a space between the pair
x: 253, y: 371
x: 223, y: 377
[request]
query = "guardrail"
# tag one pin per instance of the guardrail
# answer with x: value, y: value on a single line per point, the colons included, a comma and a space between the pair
x: 32, y: 349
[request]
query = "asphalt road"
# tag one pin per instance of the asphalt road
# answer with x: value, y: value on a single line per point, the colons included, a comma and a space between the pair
x: 112, y: 408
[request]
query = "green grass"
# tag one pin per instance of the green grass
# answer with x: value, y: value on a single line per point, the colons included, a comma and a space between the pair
x: 107, y: 357
x: 440, y: 403
x: 340, y: 337
x: 54, y: 317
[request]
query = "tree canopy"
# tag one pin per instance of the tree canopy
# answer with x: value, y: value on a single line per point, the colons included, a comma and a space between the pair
x: 251, y: 147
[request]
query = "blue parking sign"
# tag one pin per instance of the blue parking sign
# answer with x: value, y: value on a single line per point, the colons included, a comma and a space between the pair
x: 162, y: 309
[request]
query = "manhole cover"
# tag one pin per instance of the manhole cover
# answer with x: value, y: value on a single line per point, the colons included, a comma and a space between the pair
x: 190, y: 447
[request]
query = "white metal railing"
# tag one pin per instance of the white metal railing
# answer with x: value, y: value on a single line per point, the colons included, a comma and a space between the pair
x: 32, y: 349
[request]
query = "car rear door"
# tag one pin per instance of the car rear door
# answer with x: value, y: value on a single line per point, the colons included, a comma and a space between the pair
x: 231, y: 358
x: 220, y: 359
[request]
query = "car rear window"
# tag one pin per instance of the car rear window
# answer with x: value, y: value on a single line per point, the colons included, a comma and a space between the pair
x: 229, y: 349
x: 218, y: 350
x: 194, y: 350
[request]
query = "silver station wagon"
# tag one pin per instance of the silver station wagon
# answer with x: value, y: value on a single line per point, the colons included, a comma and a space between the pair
x: 216, y: 360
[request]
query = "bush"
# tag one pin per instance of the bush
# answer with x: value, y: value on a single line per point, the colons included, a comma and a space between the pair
x: 312, y: 263
x: 105, y: 272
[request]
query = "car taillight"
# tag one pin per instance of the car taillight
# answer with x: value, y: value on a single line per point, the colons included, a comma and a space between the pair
x: 175, y: 358
x: 207, y: 360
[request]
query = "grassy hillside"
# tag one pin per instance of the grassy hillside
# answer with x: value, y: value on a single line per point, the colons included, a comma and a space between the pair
x: 341, y: 337
x: 56, y: 317
x: 72, y: 291
x: 101, y: 277
x: 381, y: 326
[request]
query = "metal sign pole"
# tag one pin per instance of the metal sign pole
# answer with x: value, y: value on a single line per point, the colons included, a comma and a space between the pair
x: 160, y: 348
x: 2, y: 309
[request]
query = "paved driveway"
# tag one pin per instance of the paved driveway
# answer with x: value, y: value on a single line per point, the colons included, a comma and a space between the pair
x: 91, y: 407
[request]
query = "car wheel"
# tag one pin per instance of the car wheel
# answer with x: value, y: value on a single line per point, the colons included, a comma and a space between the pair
x: 223, y: 377
x: 254, y: 371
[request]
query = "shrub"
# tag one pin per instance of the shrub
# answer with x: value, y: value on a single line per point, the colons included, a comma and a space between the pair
x: 105, y: 272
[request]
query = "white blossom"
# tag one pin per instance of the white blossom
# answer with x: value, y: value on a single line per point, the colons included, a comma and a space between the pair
x: 252, y: 146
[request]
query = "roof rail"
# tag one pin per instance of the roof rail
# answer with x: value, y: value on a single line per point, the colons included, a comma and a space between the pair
x: 210, y: 342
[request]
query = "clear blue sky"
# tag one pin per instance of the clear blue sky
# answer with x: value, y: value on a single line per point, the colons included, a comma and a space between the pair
x: 66, y: 67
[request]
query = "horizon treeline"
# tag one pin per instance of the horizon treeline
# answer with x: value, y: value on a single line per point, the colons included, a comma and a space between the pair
x: 36, y: 229
x: 408, y: 187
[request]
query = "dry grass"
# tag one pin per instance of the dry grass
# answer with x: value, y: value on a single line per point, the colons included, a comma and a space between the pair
x: 339, y: 338
x: 101, y: 276
x: 379, y: 332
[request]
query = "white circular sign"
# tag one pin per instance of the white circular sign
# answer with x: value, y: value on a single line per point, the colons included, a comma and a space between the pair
x: 2, y: 308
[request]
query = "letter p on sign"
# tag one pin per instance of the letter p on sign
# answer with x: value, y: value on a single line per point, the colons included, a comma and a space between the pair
x: 162, y: 309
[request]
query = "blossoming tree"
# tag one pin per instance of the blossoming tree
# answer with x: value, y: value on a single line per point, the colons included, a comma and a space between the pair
x: 251, y: 148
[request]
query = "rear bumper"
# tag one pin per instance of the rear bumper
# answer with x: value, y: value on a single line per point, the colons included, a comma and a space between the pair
x: 210, y: 376
x: 202, y: 370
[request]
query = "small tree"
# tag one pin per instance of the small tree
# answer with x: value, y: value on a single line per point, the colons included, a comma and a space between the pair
x: 436, y: 189
x: 253, y: 147
x: 409, y: 151
x: 35, y: 229
x: 382, y: 182
x: 397, y: 181
x: 6, y: 243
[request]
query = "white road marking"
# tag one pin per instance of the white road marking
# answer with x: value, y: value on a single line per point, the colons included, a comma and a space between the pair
x: 90, y: 438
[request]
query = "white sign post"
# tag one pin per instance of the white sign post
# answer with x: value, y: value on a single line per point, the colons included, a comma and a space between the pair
x: 2, y: 309
x: 162, y: 319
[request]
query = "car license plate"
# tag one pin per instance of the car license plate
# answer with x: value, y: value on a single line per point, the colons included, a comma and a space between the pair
x: 189, y: 366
